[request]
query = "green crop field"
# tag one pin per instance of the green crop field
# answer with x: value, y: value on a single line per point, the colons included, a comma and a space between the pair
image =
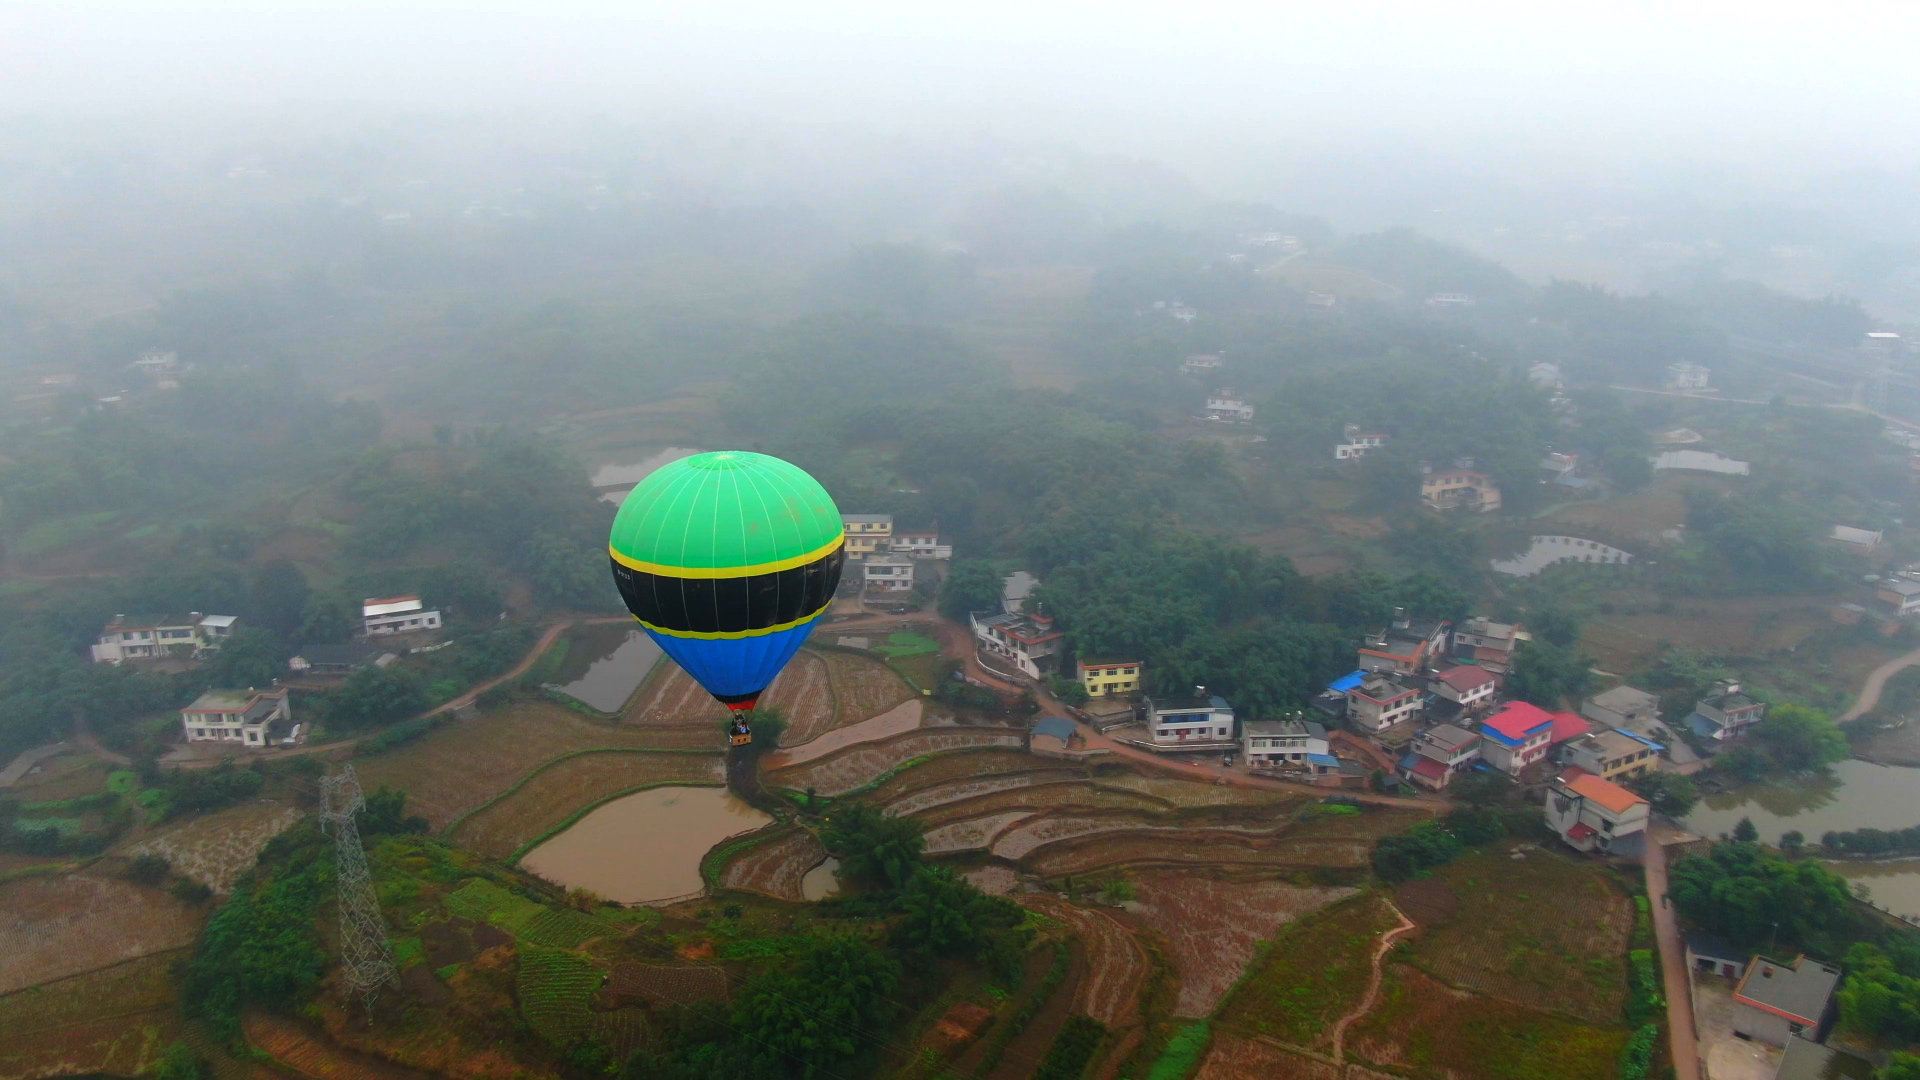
x: 1310, y: 975
x: 556, y: 991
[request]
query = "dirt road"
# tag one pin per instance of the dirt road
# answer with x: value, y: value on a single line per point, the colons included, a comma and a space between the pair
x: 1876, y: 683
x: 1373, y: 985
x: 1673, y: 961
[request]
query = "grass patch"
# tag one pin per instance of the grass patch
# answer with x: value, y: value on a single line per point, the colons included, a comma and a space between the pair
x: 1426, y: 1029
x: 902, y: 645
x: 55, y: 534
x: 1311, y: 974
x: 1183, y: 1053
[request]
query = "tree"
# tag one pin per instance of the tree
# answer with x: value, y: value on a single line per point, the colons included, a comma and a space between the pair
x: 805, y: 1022
x: 874, y: 849
x: 251, y: 657
x: 278, y: 598
x: 1547, y: 674
x: 325, y: 619
x: 385, y: 812
x: 971, y: 585
x: 375, y: 695
x: 177, y: 1062
x: 1902, y: 1067
x: 1669, y: 793
x: 1792, y: 841
x: 1744, y: 831
x: 1798, y: 737
x: 1483, y: 788
x: 946, y: 915
x: 1754, y: 898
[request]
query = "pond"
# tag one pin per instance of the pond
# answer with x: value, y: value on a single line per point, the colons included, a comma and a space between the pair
x: 646, y: 846
x: 605, y: 664
x: 822, y: 881
x: 1853, y: 794
x: 619, y: 477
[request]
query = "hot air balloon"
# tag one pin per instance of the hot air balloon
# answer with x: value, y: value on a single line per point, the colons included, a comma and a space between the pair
x: 727, y: 560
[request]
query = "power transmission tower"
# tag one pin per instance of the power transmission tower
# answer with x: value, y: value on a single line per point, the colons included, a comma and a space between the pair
x: 366, y: 960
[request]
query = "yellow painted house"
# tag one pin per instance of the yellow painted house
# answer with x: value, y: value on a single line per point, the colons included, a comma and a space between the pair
x: 867, y: 533
x: 1106, y: 677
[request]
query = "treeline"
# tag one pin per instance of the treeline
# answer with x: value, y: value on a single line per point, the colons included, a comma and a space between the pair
x: 1871, y: 841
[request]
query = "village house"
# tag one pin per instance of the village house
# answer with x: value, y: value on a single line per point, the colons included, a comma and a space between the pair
x: 867, y: 533
x: 1104, y: 678
x: 1591, y: 813
x: 1490, y: 644
x: 1711, y: 955
x: 1622, y: 707
x: 1200, y: 364
x: 1460, y: 489
x: 1686, y: 376
x: 1379, y: 703
x: 1354, y: 443
x: 1806, y: 1060
x: 147, y: 637
x: 396, y: 615
x: 1726, y: 713
x: 1226, y: 406
x: 249, y: 717
x: 1030, y: 643
x: 1051, y: 736
x: 1438, y: 754
x: 1406, y: 646
x: 1774, y: 1001
x: 920, y: 545
x: 888, y: 573
x: 1200, y: 721
x: 1857, y: 541
x: 1014, y: 590
x: 1467, y: 685
x: 1545, y: 375
x: 1517, y: 735
x: 1300, y: 744
x: 343, y: 659
x: 1612, y: 755
x: 1896, y: 597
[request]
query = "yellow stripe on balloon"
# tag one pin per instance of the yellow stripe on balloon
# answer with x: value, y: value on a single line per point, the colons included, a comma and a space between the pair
x: 733, y: 635
x: 774, y: 567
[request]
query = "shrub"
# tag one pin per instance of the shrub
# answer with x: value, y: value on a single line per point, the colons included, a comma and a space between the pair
x: 1637, y: 1057
x: 191, y: 891
x: 149, y: 869
x: 1182, y: 1054
x: 1071, y: 1049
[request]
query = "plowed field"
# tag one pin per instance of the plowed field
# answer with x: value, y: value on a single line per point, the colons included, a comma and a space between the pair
x: 290, y: 1042
x: 898, y: 720
x: 462, y: 764
x: 953, y: 767
x: 1212, y: 926
x: 217, y: 848
x: 51, y: 927
x: 973, y: 834
x: 956, y: 790
x: 805, y: 695
x: 1191, y: 793
x: 1315, y: 972
x: 671, y: 698
x: 1068, y: 794
x: 859, y: 765
x: 110, y: 1021
x: 1429, y: 1030
x: 1196, y: 847
x: 1117, y: 967
x: 555, y: 792
x: 776, y: 867
x: 993, y: 879
x: 1234, y: 1058
x: 863, y: 686
x: 665, y: 984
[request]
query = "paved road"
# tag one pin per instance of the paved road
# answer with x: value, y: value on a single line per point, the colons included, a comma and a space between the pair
x: 23, y: 764
x: 1877, y: 682
x: 1673, y: 960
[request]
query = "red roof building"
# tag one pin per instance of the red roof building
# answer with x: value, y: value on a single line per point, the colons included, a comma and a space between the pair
x: 1517, y: 735
x: 1566, y: 726
x: 1466, y: 685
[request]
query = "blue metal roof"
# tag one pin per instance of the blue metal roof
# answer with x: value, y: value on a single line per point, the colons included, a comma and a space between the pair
x: 1324, y: 759
x: 1057, y: 726
x: 1642, y: 739
x: 1347, y: 682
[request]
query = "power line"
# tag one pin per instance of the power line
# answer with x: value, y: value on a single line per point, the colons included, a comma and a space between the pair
x: 366, y: 960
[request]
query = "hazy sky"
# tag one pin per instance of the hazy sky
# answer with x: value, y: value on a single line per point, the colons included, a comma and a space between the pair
x: 1702, y: 79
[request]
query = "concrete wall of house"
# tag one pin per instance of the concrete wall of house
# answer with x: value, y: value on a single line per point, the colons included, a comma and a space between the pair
x: 1760, y: 1025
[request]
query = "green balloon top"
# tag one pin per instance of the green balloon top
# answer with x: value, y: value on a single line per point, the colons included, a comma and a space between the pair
x: 731, y: 511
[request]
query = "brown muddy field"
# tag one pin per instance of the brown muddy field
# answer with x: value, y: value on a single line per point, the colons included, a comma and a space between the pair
x: 51, y: 927
x: 554, y: 793
x: 777, y: 867
x: 1212, y: 926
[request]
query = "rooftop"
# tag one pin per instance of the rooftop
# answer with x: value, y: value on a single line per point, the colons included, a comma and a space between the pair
x: 227, y: 701
x: 149, y: 622
x: 388, y: 605
x: 1800, y: 989
x: 1189, y: 703
x: 867, y: 519
x: 1811, y: 1061
x: 1017, y: 585
x: 1600, y: 791
x: 889, y: 560
x: 1105, y: 661
x: 1284, y: 727
x: 1568, y: 725
x: 1515, y: 721
x: 1850, y: 535
x: 1449, y: 737
x: 1380, y: 688
x: 219, y: 620
x: 1347, y: 682
x: 1609, y: 744
x: 1466, y: 677
x: 1625, y: 699
x: 1705, y: 944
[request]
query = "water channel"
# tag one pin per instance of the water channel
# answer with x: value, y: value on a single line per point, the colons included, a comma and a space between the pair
x: 619, y: 477
x: 605, y: 664
x: 646, y: 846
x: 1853, y: 794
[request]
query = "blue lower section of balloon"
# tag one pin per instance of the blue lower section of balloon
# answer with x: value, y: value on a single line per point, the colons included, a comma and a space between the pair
x: 731, y: 667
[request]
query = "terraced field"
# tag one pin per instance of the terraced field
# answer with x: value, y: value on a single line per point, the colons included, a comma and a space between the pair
x: 1062, y: 796
x: 461, y: 765
x: 776, y: 867
x: 1212, y: 926
x: 974, y: 786
x: 959, y: 767
x: 557, y: 791
x: 804, y: 693
x: 862, y: 685
x: 1428, y: 1030
x: 661, y: 985
x: 1315, y: 972
x: 972, y: 834
x: 1194, y: 847
x: 309, y: 1054
x: 858, y: 766
x: 217, y: 848
x: 52, y: 927
x: 114, y: 1021
x: 1234, y: 1058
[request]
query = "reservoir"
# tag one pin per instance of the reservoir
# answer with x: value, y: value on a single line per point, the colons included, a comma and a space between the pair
x: 605, y: 664
x: 615, y: 479
x: 646, y: 846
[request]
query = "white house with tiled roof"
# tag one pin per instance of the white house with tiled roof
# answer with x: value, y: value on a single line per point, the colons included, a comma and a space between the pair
x: 396, y: 615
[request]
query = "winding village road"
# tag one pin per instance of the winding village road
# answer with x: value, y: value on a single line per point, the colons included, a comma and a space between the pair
x: 1877, y: 683
x: 1681, y: 1037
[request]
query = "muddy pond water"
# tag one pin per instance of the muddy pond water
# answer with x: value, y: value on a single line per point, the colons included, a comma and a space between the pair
x: 822, y: 881
x: 605, y: 664
x: 645, y: 846
x: 1853, y: 794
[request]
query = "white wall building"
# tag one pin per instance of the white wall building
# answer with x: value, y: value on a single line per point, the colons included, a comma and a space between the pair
x: 248, y: 717
x: 1355, y: 443
x: 1286, y: 742
x: 147, y: 637
x: 1687, y: 376
x: 396, y: 615
x: 1227, y: 406
x: 1201, y: 721
x: 890, y: 573
x: 1592, y: 813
